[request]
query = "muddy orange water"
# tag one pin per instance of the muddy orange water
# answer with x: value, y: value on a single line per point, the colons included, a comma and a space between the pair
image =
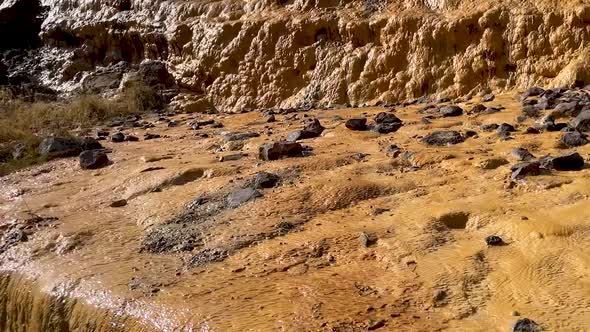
x: 422, y: 265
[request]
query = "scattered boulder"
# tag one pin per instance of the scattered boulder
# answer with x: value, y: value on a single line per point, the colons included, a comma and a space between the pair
x: 489, y: 97
x: 531, y: 111
x: 118, y: 203
x: 582, y: 121
x: 451, y: 110
x: 60, y: 147
x: 385, y: 117
x: 532, y: 92
x: 526, y: 325
x: 93, y: 159
x: 118, y: 138
x: 89, y: 143
x: 571, y: 161
x: 356, y: 124
x: 571, y: 109
x: 278, y: 150
x: 522, y: 154
x: 477, y: 109
x: 494, y: 240
x: 264, y: 180
x: 131, y: 138
x: 489, y: 127
x: 239, y: 136
x: 526, y: 168
x: 241, y: 196
x: 443, y: 138
x: 532, y: 130
x: 386, y: 128
x: 149, y: 136
x: 311, y: 130
x: 573, y: 139
x: 505, y: 128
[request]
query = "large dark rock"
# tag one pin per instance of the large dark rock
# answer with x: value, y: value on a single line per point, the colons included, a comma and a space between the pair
x: 89, y: 143
x: 384, y: 117
x: 526, y: 168
x: 60, y: 147
x: 118, y: 138
x: 451, y: 110
x: 571, y: 161
x: 442, y: 138
x: 532, y: 92
x: 386, y: 128
x: 522, y: 154
x: 279, y: 150
x: 356, y: 124
x: 386, y: 123
x: 93, y: 159
x: 582, y: 121
x: 526, y: 325
x: 573, y: 139
x: 568, y: 109
x: 311, y: 130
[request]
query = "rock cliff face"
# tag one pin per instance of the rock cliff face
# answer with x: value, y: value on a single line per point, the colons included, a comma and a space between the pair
x: 284, y: 53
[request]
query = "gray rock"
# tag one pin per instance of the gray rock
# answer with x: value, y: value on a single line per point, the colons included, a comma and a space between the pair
x: 443, y: 138
x: 532, y: 92
x: 531, y: 111
x: 384, y: 117
x: 356, y: 124
x: 265, y: 180
x: 573, y: 139
x: 489, y: 97
x: 451, y: 110
x: 89, y: 143
x: 386, y: 128
x: 522, y: 154
x: 527, y: 168
x: 571, y: 161
x: 60, y: 147
x: 118, y: 203
x: 582, y: 121
x: 241, y: 196
x: 311, y: 130
x: 526, y: 325
x: 239, y: 136
x: 278, y: 150
x: 494, y: 240
x: 118, y: 138
x: 93, y: 159
x: 489, y: 127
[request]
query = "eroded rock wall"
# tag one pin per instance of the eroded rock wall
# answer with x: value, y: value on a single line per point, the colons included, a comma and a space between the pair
x: 259, y: 54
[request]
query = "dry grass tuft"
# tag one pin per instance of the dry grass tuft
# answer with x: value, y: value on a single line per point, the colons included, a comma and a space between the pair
x: 26, y: 123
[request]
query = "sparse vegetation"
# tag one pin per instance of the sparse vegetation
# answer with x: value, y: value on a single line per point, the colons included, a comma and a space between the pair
x: 25, y: 123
